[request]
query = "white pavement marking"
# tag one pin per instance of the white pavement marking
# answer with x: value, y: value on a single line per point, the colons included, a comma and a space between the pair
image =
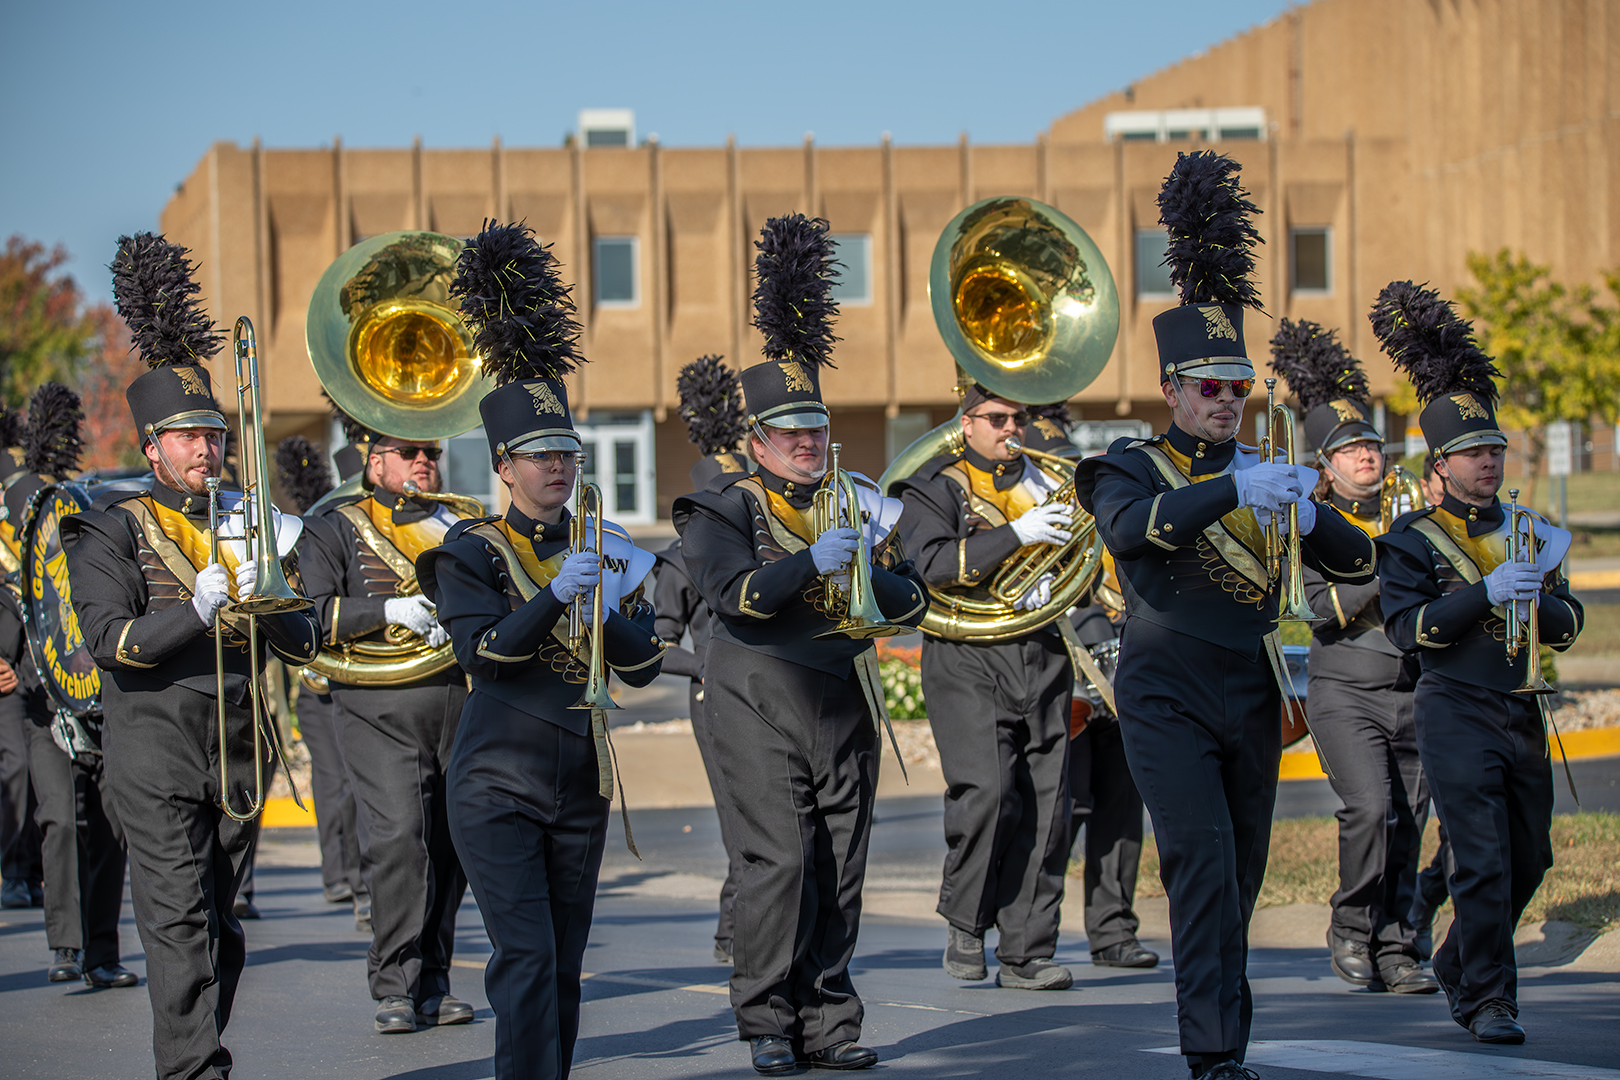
x: 1386, y: 1061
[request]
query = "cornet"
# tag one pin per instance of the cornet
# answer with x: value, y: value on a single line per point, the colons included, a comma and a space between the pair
x: 838, y: 506
x: 585, y: 534
x: 1291, y: 605
x: 1524, y: 633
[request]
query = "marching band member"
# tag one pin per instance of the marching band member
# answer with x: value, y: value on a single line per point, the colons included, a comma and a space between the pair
x: 531, y: 776
x: 798, y: 758
x: 711, y: 405
x: 147, y: 599
x: 999, y: 710
x: 395, y: 741
x: 83, y: 840
x: 21, y: 857
x: 1448, y: 583
x: 1198, y: 681
x: 1360, y: 718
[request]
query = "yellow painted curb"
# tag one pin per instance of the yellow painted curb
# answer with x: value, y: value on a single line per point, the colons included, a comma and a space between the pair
x: 283, y: 813
x: 1594, y: 579
x: 1590, y: 743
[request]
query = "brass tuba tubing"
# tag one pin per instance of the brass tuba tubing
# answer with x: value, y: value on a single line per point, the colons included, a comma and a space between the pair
x: 1028, y: 565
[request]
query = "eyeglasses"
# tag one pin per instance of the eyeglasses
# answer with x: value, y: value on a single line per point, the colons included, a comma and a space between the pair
x: 1212, y: 387
x: 998, y: 420
x: 408, y: 453
x: 547, y: 459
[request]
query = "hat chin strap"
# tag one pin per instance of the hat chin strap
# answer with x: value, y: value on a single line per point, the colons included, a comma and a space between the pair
x: 517, y: 476
x: 1357, y: 491
x: 174, y: 473
x: 759, y: 433
x: 1186, y: 407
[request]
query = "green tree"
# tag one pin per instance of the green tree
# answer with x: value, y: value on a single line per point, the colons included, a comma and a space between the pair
x: 1558, y: 347
x: 45, y: 332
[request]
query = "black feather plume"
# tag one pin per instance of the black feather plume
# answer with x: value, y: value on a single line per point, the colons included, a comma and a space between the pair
x: 353, y: 430
x: 51, y: 446
x: 793, y: 304
x: 13, y: 427
x: 302, y: 470
x: 521, y: 311
x: 711, y: 405
x: 1057, y: 412
x: 1431, y: 343
x: 1316, y: 364
x: 1211, y: 251
x: 154, y: 292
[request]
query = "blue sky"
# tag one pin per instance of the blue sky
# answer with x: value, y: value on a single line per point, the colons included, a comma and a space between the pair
x: 105, y: 107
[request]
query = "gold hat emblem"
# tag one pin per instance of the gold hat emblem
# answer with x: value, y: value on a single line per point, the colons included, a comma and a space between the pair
x: 1345, y: 411
x: 1469, y: 408
x: 191, y: 382
x: 796, y: 378
x: 1218, y: 324
x: 544, y: 399
x: 1047, y: 428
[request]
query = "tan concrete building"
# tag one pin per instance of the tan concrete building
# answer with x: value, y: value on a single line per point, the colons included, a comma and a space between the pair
x: 1384, y: 139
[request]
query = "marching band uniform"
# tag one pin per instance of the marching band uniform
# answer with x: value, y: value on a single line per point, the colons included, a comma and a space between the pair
x: 1359, y: 718
x: 1446, y: 580
x: 1000, y: 715
x: 133, y: 562
x: 531, y: 776
x: 1197, y: 685
x: 21, y: 857
x: 395, y: 744
x: 795, y: 738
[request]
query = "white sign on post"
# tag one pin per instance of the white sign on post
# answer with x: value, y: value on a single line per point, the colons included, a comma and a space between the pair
x: 1560, y: 448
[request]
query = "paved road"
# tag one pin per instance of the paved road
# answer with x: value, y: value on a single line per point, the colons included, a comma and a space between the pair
x: 657, y: 1006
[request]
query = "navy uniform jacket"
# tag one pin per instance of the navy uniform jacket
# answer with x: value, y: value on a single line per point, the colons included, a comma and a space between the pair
x: 1432, y: 564
x: 491, y: 588
x: 746, y: 541
x: 1187, y: 557
x: 680, y: 608
x: 957, y: 524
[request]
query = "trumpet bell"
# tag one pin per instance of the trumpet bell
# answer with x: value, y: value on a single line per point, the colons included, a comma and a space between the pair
x: 1024, y: 299
x: 388, y: 344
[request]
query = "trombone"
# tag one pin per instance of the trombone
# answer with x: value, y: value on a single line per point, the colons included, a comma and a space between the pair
x: 272, y: 595
x: 838, y: 506
x: 1280, y: 428
x: 585, y: 534
x: 1524, y: 633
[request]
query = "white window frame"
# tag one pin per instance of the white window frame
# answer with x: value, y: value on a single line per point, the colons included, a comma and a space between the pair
x: 599, y: 436
x: 1327, y: 260
x: 861, y: 243
x: 1136, y: 255
x: 635, y: 272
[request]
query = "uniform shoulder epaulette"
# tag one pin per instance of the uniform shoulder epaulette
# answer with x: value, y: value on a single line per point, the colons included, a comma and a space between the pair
x: 1405, y: 521
x: 109, y: 499
x: 464, y: 524
x: 932, y: 467
x: 1119, y: 446
x: 721, y: 481
x: 339, y: 503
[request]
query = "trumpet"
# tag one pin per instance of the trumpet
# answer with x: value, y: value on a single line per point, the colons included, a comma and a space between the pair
x: 837, y: 505
x: 1280, y: 428
x: 1524, y: 633
x: 585, y: 534
x: 272, y: 595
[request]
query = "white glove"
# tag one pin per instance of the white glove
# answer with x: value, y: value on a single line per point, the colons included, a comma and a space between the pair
x: 579, y: 574
x: 210, y: 594
x: 1269, y: 486
x: 1039, y: 594
x: 1513, y: 581
x: 414, y: 613
x: 834, y: 549
x: 1043, y: 524
x: 1307, y: 516
x: 247, y: 579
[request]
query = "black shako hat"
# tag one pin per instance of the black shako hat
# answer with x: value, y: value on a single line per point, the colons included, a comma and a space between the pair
x: 155, y: 294
x: 711, y: 405
x: 1330, y: 384
x: 1435, y: 348
x: 1210, y: 255
x: 794, y: 309
x: 350, y: 459
x: 1048, y: 430
x: 522, y: 316
x: 51, y: 447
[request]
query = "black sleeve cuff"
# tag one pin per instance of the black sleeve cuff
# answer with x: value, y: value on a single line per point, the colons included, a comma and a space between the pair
x: 980, y: 555
x: 631, y: 649
x: 764, y: 592
x: 147, y: 640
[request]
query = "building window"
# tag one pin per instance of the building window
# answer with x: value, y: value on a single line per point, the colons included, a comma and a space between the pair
x: 1311, y: 255
x: 615, y: 264
x: 854, y: 251
x: 466, y: 467
x: 1152, y: 277
x: 619, y: 457
x: 607, y: 127
x: 1239, y: 133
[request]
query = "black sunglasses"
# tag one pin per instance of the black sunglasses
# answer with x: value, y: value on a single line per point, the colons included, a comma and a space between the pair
x: 1212, y: 387
x: 998, y: 420
x: 408, y: 453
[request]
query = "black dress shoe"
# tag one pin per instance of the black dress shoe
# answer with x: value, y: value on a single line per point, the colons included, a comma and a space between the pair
x: 722, y: 953
x: 845, y: 1055
x: 1422, y: 919
x: 243, y: 909
x: 1231, y: 1070
x: 14, y: 894
x: 109, y: 976
x: 395, y: 1016
x: 1402, y: 975
x: 442, y: 1011
x: 964, y: 955
x: 362, y: 914
x: 65, y: 967
x: 773, y: 1055
x: 36, y: 895
x: 337, y: 894
x: 1037, y: 974
x: 1494, y: 1022
x: 1127, y: 954
x: 1350, y: 960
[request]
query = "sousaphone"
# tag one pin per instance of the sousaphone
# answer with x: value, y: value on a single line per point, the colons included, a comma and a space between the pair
x: 392, y: 351
x: 1027, y: 306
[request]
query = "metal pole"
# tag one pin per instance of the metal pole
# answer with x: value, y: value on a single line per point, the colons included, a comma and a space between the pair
x: 1563, y: 502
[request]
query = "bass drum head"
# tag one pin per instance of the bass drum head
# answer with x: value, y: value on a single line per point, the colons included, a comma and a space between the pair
x: 64, y: 663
